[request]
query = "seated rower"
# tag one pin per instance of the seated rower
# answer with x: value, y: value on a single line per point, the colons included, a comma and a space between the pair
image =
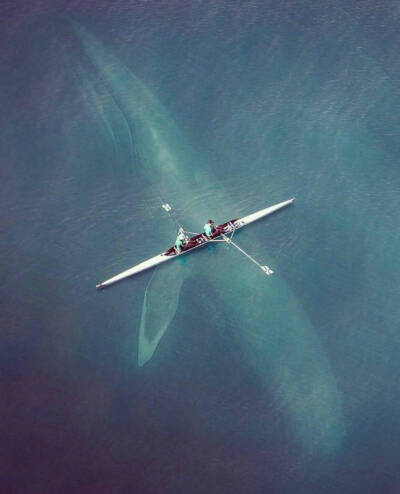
x: 209, y: 228
x: 180, y: 240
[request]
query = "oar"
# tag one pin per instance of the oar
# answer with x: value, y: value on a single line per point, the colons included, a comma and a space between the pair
x: 172, y: 214
x: 267, y: 270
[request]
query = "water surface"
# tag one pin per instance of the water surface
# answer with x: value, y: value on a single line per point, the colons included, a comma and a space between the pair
x: 263, y: 102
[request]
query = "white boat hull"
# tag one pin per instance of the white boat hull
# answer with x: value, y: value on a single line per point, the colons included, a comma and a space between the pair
x: 260, y: 214
x: 201, y: 239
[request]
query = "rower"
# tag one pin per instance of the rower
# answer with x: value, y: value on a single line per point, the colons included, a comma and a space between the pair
x: 180, y: 240
x: 209, y: 228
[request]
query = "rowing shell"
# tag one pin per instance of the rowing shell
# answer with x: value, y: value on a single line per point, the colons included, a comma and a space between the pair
x: 195, y: 242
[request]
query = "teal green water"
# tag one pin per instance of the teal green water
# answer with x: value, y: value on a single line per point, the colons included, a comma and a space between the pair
x: 204, y: 375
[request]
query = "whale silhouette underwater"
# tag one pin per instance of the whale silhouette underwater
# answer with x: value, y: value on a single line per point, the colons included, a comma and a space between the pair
x: 276, y: 337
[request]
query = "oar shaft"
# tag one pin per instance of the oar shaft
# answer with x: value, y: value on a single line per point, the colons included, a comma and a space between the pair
x: 230, y: 241
x: 242, y: 251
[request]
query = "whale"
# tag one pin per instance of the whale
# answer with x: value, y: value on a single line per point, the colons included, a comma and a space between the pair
x: 272, y: 331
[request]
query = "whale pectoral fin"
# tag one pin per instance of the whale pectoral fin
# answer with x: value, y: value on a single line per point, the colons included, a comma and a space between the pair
x: 160, y: 304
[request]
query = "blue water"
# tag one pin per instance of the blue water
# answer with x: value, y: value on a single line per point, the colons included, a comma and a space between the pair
x: 285, y: 384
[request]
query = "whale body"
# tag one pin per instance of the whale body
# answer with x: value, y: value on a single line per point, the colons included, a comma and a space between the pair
x: 275, y: 336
